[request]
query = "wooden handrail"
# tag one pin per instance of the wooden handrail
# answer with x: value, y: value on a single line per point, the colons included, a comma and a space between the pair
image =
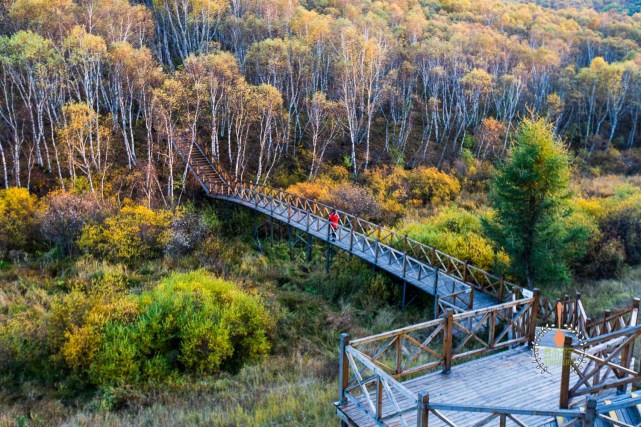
x: 477, y: 279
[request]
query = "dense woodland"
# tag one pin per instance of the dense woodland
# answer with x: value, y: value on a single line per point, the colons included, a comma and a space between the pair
x: 95, y: 89
x: 505, y: 133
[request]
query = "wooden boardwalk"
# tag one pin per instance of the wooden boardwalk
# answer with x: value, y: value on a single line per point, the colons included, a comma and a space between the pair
x: 470, y: 366
x: 386, y: 258
x: 456, y: 284
x: 507, y: 379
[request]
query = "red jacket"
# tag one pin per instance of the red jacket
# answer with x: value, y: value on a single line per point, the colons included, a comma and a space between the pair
x: 333, y: 220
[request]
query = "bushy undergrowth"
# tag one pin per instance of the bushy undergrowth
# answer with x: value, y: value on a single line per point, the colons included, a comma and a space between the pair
x: 459, y: 233
x: 386, y: 192
x: 101, y: 334
x: 615, y: 219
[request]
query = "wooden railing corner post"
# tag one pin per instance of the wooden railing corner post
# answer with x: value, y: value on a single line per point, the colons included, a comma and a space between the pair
x: 606, y: 315
x: 501, y: 289
x: 634, y: 318
x: 465, y: 268
x: 590, y: 413
x: 536, y: 297
x: 399, y: 354
x: 379, y: 398
x: 448, y: 341
x: 471, y: 304
x: 566, y: 367
x: 422, y: 412
x: 404, y: 264
x: 343, y: 368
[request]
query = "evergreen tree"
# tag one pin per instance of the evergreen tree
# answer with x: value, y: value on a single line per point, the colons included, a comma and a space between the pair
x: 530, y: 193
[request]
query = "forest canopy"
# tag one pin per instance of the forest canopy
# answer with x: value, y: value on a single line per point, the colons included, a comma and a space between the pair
x: 103, y: 91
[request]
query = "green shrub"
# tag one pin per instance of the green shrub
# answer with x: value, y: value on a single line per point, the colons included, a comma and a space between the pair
x: 189, y: 323
x: 458, y: 233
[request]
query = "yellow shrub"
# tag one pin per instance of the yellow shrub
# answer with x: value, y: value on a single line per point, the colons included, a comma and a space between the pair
x: 458, y: 233
x: 432, y: 186
x: 136, y: 233
x: 592, y: 207
x: 82, y: 342
x: 17, y: 219
x: 317, y: 190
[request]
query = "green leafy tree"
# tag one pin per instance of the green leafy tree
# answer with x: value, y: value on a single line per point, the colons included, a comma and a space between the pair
x: 530, y: 193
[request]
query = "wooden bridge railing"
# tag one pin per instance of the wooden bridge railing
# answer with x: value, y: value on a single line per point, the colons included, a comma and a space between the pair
x: 307, y: 216
x: 586, y: 416
x: 457, y: 269
x: 574, y: 314
x: 373, y: 368
x: 564, y: 417
x: 613, y: 321
x: 601, y: 363
x: 464, y: 278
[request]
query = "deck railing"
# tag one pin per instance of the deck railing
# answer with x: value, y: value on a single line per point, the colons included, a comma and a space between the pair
x: 478, y: 279
x: 373, y: 368
x: 613, y: 321
x: 585, y: 417
x: 606, y: 364
x: 462, y: 277
x: 355, y: 235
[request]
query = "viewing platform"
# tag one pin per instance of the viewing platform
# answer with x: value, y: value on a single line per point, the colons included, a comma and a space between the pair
x: 478, y: 368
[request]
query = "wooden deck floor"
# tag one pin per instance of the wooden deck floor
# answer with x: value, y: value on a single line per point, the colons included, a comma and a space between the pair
x: 361, y: 250
x: 507, y: 379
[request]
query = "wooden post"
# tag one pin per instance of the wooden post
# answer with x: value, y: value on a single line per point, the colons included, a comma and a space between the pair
x: 343, y: 368
x: 634, y: 317
x: 471, y: 306
x: 435, y: 282
x: 379, y: 398
x: 378, y: 245
x: 404, y: 293
x: 422, y: 413
x: 465, y: 272
x: 566, y: 367
x: 626, y: 359
x: 628, y: 351
x: 605, y: 329
x: 590, y: 413
x: 501, y: 289
x: 404, y: 265
x: 534, y: 314
x: 502, y: 420
x: 399, y: 353
x: 447, y: 341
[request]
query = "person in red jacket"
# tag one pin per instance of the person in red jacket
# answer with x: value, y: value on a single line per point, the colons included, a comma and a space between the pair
x: 333, y: 225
